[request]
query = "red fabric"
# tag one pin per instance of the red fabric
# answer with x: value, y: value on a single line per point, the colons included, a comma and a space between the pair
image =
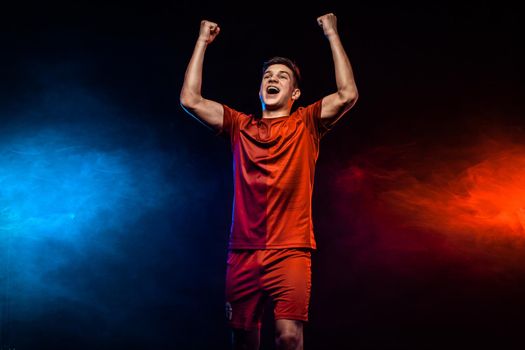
x: 274, y: 166
x: 253, y: 276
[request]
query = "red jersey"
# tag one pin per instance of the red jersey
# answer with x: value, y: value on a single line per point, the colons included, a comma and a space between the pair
x: 273, y: 167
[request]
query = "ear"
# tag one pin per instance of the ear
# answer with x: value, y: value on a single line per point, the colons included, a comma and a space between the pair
x: 296, y: 94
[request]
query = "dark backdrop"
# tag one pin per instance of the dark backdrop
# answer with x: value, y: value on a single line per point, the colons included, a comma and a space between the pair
x: 115, y: 205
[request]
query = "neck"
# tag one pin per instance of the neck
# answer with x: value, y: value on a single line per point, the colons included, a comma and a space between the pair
x: 281, y: 112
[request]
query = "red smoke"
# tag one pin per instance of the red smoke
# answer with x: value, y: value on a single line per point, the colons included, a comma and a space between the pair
x: 461, y: 202
x: 486, y: 199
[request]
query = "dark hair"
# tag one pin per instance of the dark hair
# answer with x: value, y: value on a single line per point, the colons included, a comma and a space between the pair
x: 288, y: 63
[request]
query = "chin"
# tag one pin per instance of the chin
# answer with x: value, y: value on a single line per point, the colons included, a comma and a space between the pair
x: 271, y: 107
x: 274, y: 104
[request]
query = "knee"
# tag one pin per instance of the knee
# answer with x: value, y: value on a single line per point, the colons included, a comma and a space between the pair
x: 288, y: 340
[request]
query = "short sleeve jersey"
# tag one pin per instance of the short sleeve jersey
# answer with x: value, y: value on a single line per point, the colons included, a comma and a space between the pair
x: 273, y: 167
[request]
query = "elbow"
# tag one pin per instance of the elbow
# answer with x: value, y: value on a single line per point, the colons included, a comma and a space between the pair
x: 354, y: 97
x: 188, y: 100
x: 184, y: 99
x: 348, y: 99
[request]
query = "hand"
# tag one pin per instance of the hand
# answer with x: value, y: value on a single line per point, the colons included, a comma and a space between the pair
x: 329, y: 24
x: 208, y: 31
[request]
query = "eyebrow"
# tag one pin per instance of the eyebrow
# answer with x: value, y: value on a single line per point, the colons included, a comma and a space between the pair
x: 278, y: 72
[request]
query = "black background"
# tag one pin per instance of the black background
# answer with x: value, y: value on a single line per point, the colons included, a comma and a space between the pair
x: 428, y: 74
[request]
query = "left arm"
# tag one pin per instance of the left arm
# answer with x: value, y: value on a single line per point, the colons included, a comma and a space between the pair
x: 340, y: 102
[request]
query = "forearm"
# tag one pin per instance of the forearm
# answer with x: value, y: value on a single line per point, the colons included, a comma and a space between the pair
x: 191, y: 88
x: 344, y: 75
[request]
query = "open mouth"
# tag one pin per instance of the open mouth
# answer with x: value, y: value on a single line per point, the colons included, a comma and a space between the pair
x: 272, y: 90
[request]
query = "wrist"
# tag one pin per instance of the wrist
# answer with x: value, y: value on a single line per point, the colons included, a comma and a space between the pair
x: 202, y: 40
x: 331, y: 33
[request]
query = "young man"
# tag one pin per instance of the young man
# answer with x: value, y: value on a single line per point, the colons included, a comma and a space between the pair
x: 274, y: 158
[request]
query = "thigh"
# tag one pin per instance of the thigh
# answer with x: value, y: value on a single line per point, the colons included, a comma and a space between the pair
x: 244, y: 298
x: 287, y: 279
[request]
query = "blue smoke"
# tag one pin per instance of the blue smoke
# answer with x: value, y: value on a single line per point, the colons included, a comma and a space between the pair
x: 67, y: 188
x: 93, y: 221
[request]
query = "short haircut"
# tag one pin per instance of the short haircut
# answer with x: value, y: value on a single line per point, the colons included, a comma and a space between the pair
x: 288, y: 63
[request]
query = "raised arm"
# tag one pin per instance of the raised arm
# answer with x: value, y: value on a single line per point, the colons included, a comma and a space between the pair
x: 206, y: 111
x: 340, y: 102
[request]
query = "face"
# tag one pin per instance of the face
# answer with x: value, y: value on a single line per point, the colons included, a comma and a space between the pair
x: 277, y: 87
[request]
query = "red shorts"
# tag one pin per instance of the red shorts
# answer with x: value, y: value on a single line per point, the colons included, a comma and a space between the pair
x: 253, y: 276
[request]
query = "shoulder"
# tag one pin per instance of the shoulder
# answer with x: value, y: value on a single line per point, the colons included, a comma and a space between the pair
x: 233, y: 113
x: 313, y: 109
x: 310, y: 115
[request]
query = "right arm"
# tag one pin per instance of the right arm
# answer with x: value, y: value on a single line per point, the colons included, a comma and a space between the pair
x: 209, y: 112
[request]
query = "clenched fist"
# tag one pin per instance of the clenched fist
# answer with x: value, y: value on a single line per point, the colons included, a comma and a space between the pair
x: 208, y: 31
x: 329, y: 24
